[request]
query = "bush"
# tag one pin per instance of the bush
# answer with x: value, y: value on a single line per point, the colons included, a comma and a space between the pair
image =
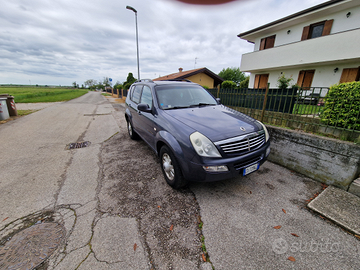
x: 283, y: 82
x: 228, y: 85
x: 244, y: 83
x: 342, y: 106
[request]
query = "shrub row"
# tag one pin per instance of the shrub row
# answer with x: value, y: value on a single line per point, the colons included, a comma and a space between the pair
x: 342, y: 106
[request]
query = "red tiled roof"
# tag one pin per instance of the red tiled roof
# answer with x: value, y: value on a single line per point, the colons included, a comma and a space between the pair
x: 188, y: 73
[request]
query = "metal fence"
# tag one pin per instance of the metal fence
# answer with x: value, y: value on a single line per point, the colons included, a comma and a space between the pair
x: 300, y: 109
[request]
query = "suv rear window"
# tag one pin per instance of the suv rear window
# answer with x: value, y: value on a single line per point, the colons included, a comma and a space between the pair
x: 136, y: 94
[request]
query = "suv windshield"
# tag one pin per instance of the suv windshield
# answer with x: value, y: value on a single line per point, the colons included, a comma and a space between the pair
x: 185, y: 96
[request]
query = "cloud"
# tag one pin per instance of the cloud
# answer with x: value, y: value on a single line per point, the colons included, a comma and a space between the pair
x: 58, y: 42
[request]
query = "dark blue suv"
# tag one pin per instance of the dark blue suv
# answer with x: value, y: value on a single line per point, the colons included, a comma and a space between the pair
x: 196, y: 138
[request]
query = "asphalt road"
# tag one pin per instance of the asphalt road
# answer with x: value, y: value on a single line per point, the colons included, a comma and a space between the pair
x: 118, y: 212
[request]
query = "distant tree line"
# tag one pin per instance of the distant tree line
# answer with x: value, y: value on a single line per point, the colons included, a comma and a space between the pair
x: 233, y: 78
x: 101, y: 84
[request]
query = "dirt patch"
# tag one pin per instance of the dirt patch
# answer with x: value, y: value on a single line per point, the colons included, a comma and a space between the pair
x: 132, y: 185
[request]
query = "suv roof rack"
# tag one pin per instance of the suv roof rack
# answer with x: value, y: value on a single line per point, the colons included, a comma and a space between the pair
x: 144, y: 80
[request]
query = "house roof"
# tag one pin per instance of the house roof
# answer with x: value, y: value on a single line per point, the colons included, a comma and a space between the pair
x: 294, y: 18
x: 186, y: 74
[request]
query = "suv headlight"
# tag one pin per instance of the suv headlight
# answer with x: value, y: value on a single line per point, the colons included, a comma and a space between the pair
x: 203, y: 146
x: 266, y: 132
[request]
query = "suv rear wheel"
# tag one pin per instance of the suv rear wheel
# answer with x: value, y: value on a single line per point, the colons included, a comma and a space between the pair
x: 171, y: 169
x: 133, y: 135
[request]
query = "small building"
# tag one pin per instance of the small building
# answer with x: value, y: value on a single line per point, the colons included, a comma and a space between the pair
x: 202, y: 76
x: 317, y: 47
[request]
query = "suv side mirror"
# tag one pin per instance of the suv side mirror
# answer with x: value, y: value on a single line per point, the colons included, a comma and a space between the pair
x: 218, y: 100
x: 144, y: 108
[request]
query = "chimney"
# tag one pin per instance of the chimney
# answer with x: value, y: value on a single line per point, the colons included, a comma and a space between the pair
x: 180, y: 69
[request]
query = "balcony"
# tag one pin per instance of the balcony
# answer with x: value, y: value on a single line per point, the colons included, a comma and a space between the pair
x: 324, y: 50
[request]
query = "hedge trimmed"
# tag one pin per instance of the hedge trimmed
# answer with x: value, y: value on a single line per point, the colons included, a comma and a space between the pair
x: 342, y: 106
x: 228, y: 85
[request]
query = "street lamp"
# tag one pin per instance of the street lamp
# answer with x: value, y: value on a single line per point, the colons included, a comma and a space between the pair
x: 137, y: 39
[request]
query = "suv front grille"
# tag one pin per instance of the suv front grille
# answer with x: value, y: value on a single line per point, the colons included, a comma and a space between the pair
x: 242, y: 144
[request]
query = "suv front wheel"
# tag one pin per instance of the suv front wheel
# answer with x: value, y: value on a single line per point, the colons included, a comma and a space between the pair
x: 171, y: 169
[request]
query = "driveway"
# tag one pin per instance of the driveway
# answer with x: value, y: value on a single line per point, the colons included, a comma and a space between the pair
x: 117, y: 212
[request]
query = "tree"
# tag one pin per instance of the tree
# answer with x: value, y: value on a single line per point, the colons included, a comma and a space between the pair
x: 129, y: 81
x: 232, y: 74
x: 244, y: 83
x: 74, y: 84
x: 118, y: 85
x: 106, y: 81
x: 90, y: 82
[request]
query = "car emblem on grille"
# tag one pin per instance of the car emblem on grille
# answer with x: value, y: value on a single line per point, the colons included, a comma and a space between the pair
x: 242, y: 128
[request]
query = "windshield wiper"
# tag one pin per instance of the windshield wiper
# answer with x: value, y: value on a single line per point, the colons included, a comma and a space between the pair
x: 176, y: 107
x: 202, y: 104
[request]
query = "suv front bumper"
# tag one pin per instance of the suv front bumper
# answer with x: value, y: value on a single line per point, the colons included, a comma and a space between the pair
x: 236, y: 166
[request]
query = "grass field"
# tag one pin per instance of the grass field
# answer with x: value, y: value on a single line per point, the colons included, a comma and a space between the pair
x: 306, y: 109
x: 37, y: 94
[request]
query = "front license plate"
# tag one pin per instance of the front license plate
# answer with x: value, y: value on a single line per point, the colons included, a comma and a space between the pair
x: 251, y: 169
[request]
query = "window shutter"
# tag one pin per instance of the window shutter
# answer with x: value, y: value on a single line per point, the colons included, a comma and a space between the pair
x: 305, y: 33
x: 301, y: 78
x: 270, y: 42
x: 327, y: 27
x: 262, y: 44
x: 349, y: 75
x: 257, y: 80
x: 309, y: 75
x: 263, y: 81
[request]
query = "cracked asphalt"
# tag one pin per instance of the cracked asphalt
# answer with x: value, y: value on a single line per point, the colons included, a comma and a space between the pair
x: 118, y: 212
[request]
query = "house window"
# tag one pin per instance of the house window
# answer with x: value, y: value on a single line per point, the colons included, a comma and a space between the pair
x: 305, y: 79
x: 350, y: 75
x: 261, y: 81
x: 317, y: 30
x: 267, y: 43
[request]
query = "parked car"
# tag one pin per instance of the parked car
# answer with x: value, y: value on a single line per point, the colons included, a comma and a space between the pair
x: 311, y: 99
x: 196, y: 138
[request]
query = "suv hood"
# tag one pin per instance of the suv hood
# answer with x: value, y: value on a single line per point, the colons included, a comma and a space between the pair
x: 215, y: 122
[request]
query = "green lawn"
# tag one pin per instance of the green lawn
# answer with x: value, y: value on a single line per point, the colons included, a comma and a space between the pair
x: 41, y: 94
x: 306, y: 109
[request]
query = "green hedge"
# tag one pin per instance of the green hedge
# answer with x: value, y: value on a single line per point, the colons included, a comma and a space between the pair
x: 228, y: 85
x: 342, y: 106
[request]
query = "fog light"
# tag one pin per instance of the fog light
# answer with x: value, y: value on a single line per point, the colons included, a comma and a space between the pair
x: 267, y: 151
x: 222, y: 168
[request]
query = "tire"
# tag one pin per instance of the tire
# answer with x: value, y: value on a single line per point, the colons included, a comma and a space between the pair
x: 133, y: 135
x: 171, y: 169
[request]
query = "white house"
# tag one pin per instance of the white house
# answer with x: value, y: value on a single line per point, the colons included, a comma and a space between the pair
x: 317, y: 47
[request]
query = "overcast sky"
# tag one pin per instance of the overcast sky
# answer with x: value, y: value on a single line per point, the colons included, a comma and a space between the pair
x: 57, y: 42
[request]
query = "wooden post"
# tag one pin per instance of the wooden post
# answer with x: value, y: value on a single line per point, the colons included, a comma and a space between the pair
x: 264, y: 104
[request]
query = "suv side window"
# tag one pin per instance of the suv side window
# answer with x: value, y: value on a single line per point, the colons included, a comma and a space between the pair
x: 136, y: 94
x: 146, y: 97
x: 131, y: 91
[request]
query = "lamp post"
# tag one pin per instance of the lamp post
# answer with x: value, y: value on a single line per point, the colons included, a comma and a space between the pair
x: 137, y: 38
